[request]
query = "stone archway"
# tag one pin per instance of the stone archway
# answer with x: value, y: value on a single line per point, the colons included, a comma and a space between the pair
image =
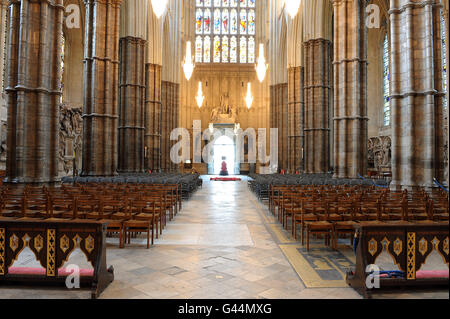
x: 224, y: 149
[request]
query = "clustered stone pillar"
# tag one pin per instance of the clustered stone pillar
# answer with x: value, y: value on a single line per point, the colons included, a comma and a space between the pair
x: 296, y: 122
x: 350, y: 89
x: 416, y: 93
x: 101, y: 84
x: 317, y: 89
x: 169, y: 121
x: 153, y: 117
x: 175, y: 119
x: 33, y: 87
x: 131, y: 105
x: 279, y: 119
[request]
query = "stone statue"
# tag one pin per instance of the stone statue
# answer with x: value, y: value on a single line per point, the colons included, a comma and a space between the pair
x: 225, y: 113
x: 70, y: 137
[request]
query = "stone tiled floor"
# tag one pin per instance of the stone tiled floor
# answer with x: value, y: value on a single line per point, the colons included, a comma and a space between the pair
x: 218, y: 246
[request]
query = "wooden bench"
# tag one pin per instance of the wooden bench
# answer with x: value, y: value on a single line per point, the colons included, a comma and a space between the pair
x: 409, y: 244
x: 52, y: 242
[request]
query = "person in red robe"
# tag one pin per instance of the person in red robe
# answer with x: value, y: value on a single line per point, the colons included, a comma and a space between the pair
x: 224, y: 170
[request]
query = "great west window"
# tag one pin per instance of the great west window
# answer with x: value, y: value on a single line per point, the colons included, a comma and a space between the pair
x: 225, y: 31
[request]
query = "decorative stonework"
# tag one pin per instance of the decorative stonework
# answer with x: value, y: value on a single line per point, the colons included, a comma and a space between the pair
x: 225, y: 113
x: 70, y: 138
x: 379, y: 152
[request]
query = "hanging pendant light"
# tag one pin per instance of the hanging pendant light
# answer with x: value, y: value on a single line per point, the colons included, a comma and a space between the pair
x: 249, y: 97
x: 188, y: 63
x: 200, y: 98
x: 292, y: 7
x: 261, y: 67
x: 159, y: 6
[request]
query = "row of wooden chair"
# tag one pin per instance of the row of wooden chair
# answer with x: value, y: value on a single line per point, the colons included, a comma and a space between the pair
x: 128, y: 209
x: 333, y: 211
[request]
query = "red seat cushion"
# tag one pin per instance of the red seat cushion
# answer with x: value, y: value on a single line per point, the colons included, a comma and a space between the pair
x: 42, y: 271
x: 424, y: 274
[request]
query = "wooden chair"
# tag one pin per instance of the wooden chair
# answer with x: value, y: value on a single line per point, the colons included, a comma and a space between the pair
x: 133, y: 226
x: 36, y: 206
x: 113, y: 225
x: 157, y: 210
x: 345, y: 226
x: 320, y: 227
x: 61, y: 206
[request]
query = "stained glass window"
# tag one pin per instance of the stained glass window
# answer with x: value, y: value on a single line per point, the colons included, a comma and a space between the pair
x: 243, y: 22
x: 216, y: 49
x: 207, y: 22
x: 207, y: 50
x: 251, y: 50
x: 251, y: 22
x: 225, y: 49
x: 243, y: 50
x: 234, y: 21
x: 225, y: 21
x: 386, y: 89
x: 444, y: 61
x: 225, y: 31
x: 233, y: 50
x: 198, y: 49
x: 198, y: 21
x: 217, y: 21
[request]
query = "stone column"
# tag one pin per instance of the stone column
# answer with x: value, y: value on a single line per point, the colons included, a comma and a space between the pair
x: 153, y: 117
x: 3, y: 105
x: 416, y: 93
x: 296, y: 121
x: 447, y: 35
x: 279, y: 120
x: 33, y: 87
x: 101, y: 86
x: 317, y: 91
x: 131, y: 104
x: 350, y: 89
x: 166, y: 99
x: 175, y: 109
